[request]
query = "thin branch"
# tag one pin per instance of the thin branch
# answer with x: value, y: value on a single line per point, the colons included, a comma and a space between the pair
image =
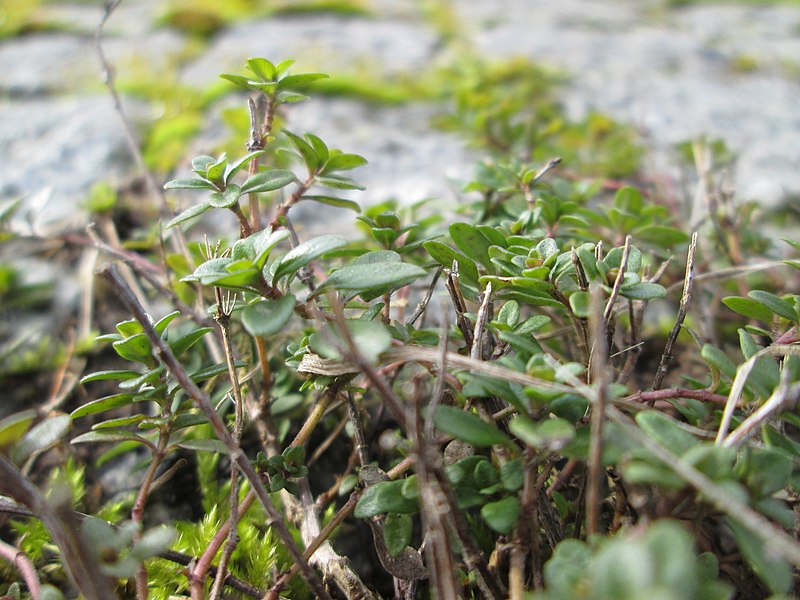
x: 737, y: 387
x: 600, y: 379
x: 651, y: 396
x: 686, y: 297
x: 25, y: 568
x: 80, y: 562
x: 224, y: 310
x: 423, y: 304
x: 137, y: 512
x: 476, y: 352
x: 433, y: 504
x: 203, y: 402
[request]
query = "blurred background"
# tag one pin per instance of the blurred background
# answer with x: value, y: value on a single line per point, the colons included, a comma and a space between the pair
x: 623, y: 90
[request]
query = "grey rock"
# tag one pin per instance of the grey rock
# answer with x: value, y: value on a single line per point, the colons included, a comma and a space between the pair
x: 58, y: 63
x: 325, y: 43
x: 53, y: 151
x: 673, y: 77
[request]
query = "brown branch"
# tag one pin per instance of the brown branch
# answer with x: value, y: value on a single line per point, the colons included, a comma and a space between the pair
x: 600, y: 379
x: 652, y: 396
x: 80, y: 562
x: 686, y: 297
x: 203, y: 402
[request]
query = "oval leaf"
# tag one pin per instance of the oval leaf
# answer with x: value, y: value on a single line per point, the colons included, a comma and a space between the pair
x: 268, y: 181
x: 502, y: 515
x: 469, y: 427
x: 268, y: 317
x: 397, y: 530
x: 372, y: 276
x: 304, y: 253
x: 777, y: 305
x: 384, y: 497
x: 44, y: 435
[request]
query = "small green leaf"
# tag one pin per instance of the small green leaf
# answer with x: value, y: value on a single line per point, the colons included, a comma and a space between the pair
x: 188, y: 214
x: 512, y: 475
x: 203, y: 446
x: 304, y: 253
x: 581, y: 304
x: 363, y: 277
x: 644, y: 290
x: 182, y: 344
x: 227, y: 198
x: 777, y: 305
x: 384, y: 497
x: 320, y: 147
x: 509, y: 314
x: 342, y: 162
x: 216, y: 170
x: 188, y: 420
x: 307, y: 152
x: 661, y: 235
x: 135, y: 348
x: 337, y: 202
x: 189, y: 183
x: 370, y: 337
x: 469, y: 427
x: 262, y: 68
x: 747, y: 307
x: 445, y: 255
x: 267, y: 181
x: 161, y: 325
x: 300, y: 82
x: 471, y: 242
x: 119, y: 422
x: 109, y: 436
x: 338, y: 182
x: 13, y: 427
x: 234, y: 168
x: 552, y: 434
x: 104, y: 404
x: 717, y: 359
x: 42, y: 436
x: 666, y: 431
x: 268, y: 317
x: 773, y: 571
x: 502, y: 515
x: 397, y: 530
x: 201, y: 164
x: 113, y: 375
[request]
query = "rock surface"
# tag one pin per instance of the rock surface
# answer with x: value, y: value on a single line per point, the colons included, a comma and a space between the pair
x: 723, y: 71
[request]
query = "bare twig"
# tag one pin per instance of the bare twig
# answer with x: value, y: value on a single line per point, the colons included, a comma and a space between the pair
x: 686, y: 297
x: 552, y: 163
x: 81, y: 564
x: 137, y: 512
x: 737, y: 387
x: 224, y: 310
x: 433, y: 504
x: 423, y: 304
x: 651, y: 396
x: 203, y: 402
x: 600, y: 379
x: 25, y: 568
x: 608, y: 313
x: 476, y: 352
x: 454, y: 289
x: 784, y: 397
